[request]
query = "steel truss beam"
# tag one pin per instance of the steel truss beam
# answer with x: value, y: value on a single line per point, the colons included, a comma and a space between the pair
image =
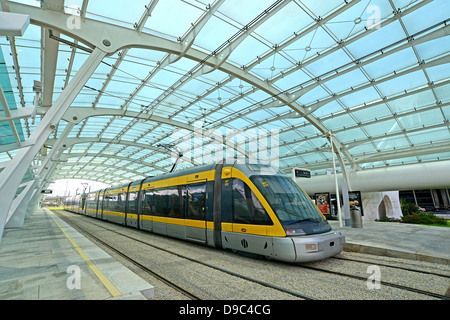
x: 12, y: 175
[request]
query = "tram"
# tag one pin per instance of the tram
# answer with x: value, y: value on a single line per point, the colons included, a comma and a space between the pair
x: 242, y: 207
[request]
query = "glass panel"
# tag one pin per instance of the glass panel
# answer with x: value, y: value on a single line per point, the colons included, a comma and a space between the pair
x: 377, y: 40
x: 443, y: 93
x: 402, y: 83
x: 446, y: 111
x: 328, y: 109
x: 426, y: 16
x: 418, y: 100
x: 382, y: 127
x: 378, y: 111
x: 346, y: 81
x: 179, y: 13
x: 439, y: 72
x: 396, y: 61
x: 271, y: 67
x: 427, y: 136
x: 350, y: 135
x: 421, y: 119
x: 169, y: 202
x: 290, y: 15
x: 329, y: 63
x: 248, y: 50
x: 392, y: 143
x: 339, y: 122
x: 291, y: 205
x: 196, y: 201
x: 311, y: 97
x: 293, y: 79
x: 366, y: 147
x: 433, y: 48
x: 214, y: 33
x: 246, y: 207
x: 121, y: 13
x: 360, y: 97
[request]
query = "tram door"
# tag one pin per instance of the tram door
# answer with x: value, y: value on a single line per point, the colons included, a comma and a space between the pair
x: 101, y: 202
x: 146, y: 210
x: 196, y: 211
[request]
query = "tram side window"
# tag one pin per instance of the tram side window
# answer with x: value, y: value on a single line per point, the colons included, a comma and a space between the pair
x: 169, y: 202
x: 115, y: 202
x: 109, y: 202
x: 196, y: 201
x: 91, y: 203
x: 247, y: 209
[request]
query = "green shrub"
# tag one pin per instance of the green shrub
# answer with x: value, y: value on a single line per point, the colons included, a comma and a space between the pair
x: 423, y: 218
x: 408, y: 208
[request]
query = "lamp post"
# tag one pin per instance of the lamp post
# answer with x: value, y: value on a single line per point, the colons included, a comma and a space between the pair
x: 336, y: 180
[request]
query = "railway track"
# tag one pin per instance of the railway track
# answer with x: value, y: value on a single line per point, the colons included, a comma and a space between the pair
x: 393, y: 267
x: 312, y: 267
x: 141, y: 266
x: 170, y: 283
x: 382, y: 283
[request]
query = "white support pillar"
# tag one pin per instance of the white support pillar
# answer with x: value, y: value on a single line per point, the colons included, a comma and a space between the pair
x: 34, y: 201
x: 13, y: 173
x: 338, y: 200
x: 346, y: 187
x: 19, y: 206
x: 18, y: 211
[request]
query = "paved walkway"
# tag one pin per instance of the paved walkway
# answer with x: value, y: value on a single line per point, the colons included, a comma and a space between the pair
x: 48, y: 259
x: 400, y: 240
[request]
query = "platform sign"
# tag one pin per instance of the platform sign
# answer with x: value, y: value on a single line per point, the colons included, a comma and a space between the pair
x: 301, y: 173
x: 354, y: 198
x: 47, y: 191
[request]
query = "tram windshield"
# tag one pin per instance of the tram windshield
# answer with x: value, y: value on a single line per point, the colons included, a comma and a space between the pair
x: 293, y: 207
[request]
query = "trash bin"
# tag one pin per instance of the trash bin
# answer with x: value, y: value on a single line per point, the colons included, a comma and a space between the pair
x: 355, y: 215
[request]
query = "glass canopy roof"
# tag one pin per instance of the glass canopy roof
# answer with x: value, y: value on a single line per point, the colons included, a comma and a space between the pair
x: 374, y: 73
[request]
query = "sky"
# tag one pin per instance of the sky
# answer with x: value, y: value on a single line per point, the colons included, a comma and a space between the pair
x: 70, y: 186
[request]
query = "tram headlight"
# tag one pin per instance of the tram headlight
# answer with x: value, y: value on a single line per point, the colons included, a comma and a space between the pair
x: 311, y: 247
x: 295, y: 232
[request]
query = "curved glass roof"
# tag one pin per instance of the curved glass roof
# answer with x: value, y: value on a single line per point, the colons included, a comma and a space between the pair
x: 374, y: 73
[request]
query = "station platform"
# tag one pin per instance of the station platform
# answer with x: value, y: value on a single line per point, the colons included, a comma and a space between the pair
x: 400, y: 240
x: 47, y: 259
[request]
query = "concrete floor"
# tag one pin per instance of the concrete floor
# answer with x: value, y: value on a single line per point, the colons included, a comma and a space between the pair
x: 48, y: 259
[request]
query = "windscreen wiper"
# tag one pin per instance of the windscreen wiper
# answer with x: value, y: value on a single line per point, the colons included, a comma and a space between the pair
x: 303, y: 220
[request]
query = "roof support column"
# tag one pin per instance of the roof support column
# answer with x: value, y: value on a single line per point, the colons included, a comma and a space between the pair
x: 12, y: 175
x: 18, y: 210
x: 19, y: 205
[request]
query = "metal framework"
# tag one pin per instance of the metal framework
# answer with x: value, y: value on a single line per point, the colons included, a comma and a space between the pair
x: 112, y: 89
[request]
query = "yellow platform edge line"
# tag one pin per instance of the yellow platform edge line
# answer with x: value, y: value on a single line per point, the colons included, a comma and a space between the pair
x: 105, y: 281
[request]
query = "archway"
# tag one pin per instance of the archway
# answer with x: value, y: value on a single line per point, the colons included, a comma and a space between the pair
x: 385, y: 207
